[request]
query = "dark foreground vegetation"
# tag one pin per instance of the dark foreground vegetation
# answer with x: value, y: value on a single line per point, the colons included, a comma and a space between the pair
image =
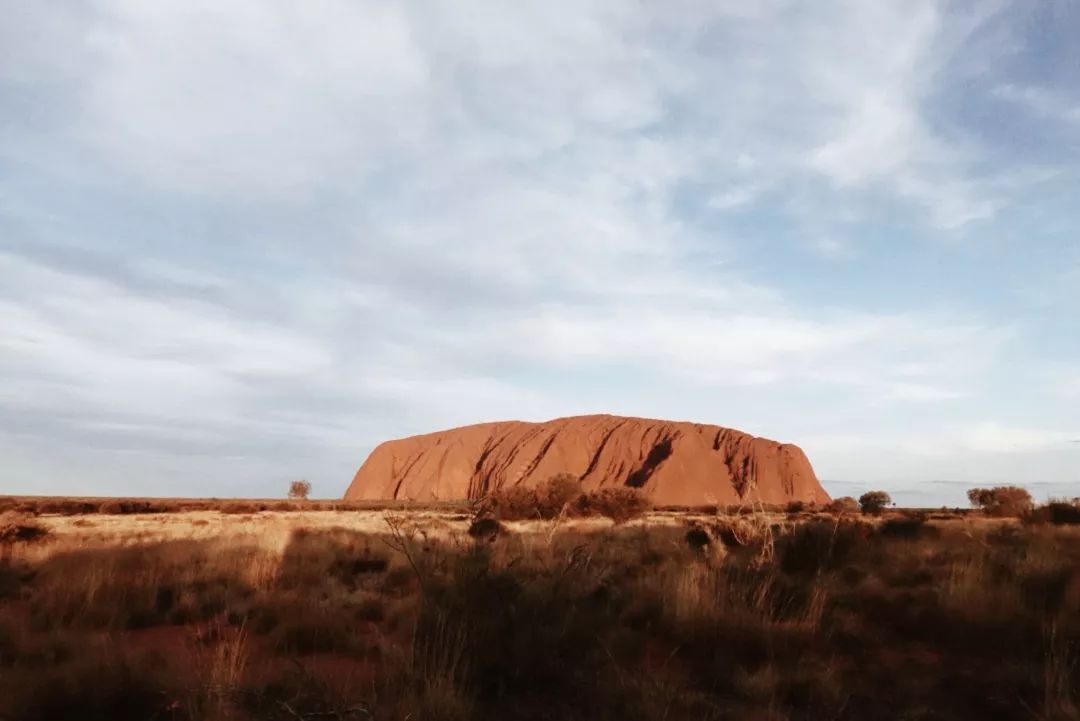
x: 800, y: 616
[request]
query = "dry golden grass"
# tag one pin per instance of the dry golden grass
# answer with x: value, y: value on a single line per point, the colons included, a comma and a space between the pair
x: 779, y: 614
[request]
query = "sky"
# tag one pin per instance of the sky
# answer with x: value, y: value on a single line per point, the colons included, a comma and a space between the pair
x: 244, y: 242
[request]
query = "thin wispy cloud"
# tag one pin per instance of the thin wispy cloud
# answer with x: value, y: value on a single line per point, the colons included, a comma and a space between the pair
x: 1043, y: 102
x: 257, y: 238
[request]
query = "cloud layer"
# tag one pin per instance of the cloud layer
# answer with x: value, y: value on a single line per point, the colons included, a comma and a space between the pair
x: 245, y: 243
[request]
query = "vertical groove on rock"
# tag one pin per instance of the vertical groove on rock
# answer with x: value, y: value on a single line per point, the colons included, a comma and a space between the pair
x: 657, y: 455
x: 405, y: 473
x: 540, y: 455
x: 600, y: 449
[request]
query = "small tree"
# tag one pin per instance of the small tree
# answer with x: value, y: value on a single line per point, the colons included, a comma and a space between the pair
x: 844, y: 504
x: 619, y: 503
x: 543, y: 502
x: 873, y: 502
x: 299, y: 490
x: 1001, y: 501
x: 555, y: 495
x: 562, y: 495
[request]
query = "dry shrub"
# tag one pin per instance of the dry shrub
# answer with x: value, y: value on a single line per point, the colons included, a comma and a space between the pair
x: 554, y: 496
x: 743, y: 531
x: 299, y: 490
x: 350, y: 559
x: 328, y: 631
x: 907, y: 526
x: 515, y: 503
x: 298, y: 694
x: 239, y: 508
x: 1056, y: 512
x: 1001, y: 501
x: 20, y: 528
x: 844, y: 504
x: 562, y: 495
x: 172, y: 582
x: 817, y: 545
x: 132, y: 506
x: 698, y: 539
x: 527, y: 641
x: 96, y: 683
x: 120, y: 506
x: 486, y: 529
x: 620, y: 623
x: 620, y: 504
x: 372, y: 609
x: 59, y: 506
x: 874, y: 502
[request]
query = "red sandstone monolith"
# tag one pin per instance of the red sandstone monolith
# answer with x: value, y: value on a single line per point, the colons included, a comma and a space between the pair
x: 674, y: 463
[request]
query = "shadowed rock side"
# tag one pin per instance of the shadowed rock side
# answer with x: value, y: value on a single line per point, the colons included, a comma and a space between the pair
x: 675, y: 463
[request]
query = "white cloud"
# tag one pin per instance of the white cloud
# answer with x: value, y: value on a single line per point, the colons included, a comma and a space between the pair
x: 920, y: 392
x: 88, y: 346
x: 251, y: 96
x: 736, y: 197
x: 401, y: 216
x: 996, y: 438
x: 1041, y: 102
x: 878, y: 135
x: 833, y: 248
x: 274, y: 98
x: 111, y: 360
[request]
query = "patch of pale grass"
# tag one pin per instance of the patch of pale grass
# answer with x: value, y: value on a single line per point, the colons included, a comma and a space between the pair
x: 970, y: 590
x: 691, y: 593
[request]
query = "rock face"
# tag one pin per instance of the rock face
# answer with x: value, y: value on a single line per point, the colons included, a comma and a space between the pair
x: 675, y: 463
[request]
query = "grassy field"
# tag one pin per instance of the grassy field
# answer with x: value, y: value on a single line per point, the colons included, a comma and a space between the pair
x: 376, y: 613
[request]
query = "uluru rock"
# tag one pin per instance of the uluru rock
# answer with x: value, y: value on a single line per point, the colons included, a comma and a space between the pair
x: 674, y: 463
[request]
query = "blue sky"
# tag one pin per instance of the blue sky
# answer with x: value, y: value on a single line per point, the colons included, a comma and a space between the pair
x: 244, y: 242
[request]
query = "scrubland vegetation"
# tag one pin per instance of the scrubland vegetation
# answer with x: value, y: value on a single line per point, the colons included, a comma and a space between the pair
x: 135, y: 506
x: 792, y: 614
x: 563, y: 497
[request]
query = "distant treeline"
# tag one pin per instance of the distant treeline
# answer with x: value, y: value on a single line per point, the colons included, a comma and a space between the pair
x: 121, y: 506
x: 42, y: 505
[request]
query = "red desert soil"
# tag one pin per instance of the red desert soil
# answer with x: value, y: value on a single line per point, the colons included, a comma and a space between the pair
x: 674, y: 463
